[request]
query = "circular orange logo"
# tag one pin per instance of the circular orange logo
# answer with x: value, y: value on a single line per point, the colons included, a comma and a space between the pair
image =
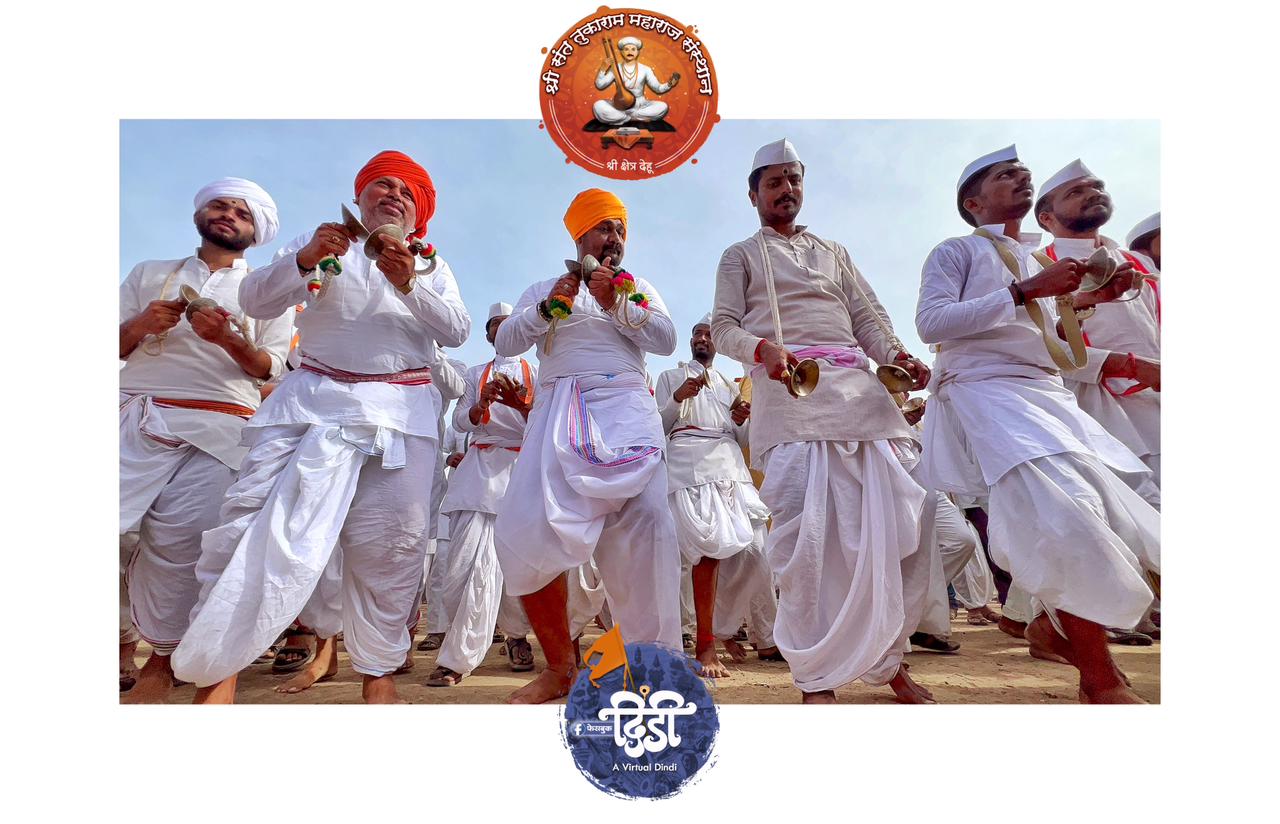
x: 628, y: 94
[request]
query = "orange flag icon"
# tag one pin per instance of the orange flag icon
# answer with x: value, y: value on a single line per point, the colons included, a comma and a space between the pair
x: 612, y: 655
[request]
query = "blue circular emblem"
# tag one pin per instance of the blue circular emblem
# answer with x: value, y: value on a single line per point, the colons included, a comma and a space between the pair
x: 639, y: 723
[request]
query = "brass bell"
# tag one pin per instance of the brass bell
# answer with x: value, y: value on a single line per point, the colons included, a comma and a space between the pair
x: 912, y: 405
x: 802, y: 378
x: 380, y: 237
x: 895, y: 378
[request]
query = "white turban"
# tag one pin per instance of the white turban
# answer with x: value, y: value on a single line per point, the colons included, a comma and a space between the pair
x: 266, y: 220
x: 630, y: 41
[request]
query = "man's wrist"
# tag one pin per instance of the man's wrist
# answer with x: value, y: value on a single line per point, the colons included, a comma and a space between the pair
x: 759, y: 358
x: 1019, y: 296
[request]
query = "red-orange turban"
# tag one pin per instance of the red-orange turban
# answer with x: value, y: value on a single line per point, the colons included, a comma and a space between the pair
x: 398, y: 164
x: 591, y: 207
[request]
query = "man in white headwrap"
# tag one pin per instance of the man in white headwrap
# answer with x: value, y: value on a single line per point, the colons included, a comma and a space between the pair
x: 720, y: 519
x: 636, y: 77
x: 495, y: 402
x: 846, y: 514
x: 1120, y: 385
x: 1001, y: 423
x: 591, y: 482
x: 1143, y: 240
x: 187, y: 386
x: 344, y: 449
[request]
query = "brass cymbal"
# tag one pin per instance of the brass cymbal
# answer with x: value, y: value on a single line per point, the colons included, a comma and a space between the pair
x: 353, y: 224
x: 194, y: 302
x: 379, y: 237
x: 1099, y: 268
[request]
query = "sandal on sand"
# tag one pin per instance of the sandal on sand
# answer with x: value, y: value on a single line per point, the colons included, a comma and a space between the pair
x: 933, y: 643
x: 519, y: 654
x: 1128, y: 638
x: 686, y: 640
x: 978, y: 620
x: 431, y: 642
x: 444, y: 677
x: 268, y: 656
x: 291, y: 659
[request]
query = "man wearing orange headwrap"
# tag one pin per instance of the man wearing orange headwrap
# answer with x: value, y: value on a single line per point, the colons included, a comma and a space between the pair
x: 344, y: 449
x: 591, y: 480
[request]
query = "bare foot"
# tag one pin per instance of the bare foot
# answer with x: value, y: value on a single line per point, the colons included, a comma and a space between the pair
x: 223, y: 692
x: 548, y: 686
x: 711, y: 666
x: 990, y: 614
x: 976, y: 618
x: 819, y: 697
x: 323, y: 667
x: 1046, y: 643
x: 735, y: 650
x: 769, y: 654
x: 906, y: 691
x: 380, y: 689
x: 1120, y: 694
x: 155, y: 682
x: 1011, y: 627
x: 128, y: 666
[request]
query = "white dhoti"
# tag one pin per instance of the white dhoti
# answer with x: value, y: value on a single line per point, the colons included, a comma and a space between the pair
x: 581, y: 493
x: 846, y: 516
x: 302, y: 489
x: 744, y: 590
x: 1076, y: 537
x: 644, y: 109
x: 169, y: 495
x: 953, y: 546
x: 724, y: 520
x: 975, y: 586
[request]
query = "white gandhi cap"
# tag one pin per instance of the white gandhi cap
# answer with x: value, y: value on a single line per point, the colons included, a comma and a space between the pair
x: 976, y: 168
x: 1144, y: 228
x: 771, y: 154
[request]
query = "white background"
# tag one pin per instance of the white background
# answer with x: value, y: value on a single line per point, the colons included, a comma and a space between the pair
x: 72, y: 72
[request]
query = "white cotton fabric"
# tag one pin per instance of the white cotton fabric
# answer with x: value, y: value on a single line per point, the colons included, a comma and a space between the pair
x: 953, y: 545
x: 845, y: 518
x: 323, y: 611
x: 562, y: 510
x: 1074, y: 536
x: 772, y: 154
x: 717, y: 519
x: 744, y: 591
x: 266, y: 218
x: 189, y: 367
x: 300, y: 490
x: 975, y: 586
x: 1123, y: 327
x: 162, y: 569
x: 1072, y: 171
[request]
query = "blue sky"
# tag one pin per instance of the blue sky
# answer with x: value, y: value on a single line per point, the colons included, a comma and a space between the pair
x: 885, y: 189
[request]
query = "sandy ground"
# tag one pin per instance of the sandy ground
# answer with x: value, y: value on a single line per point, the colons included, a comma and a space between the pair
x: 990, y: 668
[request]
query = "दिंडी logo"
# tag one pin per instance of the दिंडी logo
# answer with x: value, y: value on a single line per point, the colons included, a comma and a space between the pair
x: 640, y: 723
x: 628, y: 94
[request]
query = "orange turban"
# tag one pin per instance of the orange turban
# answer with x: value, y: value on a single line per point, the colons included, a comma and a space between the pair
x: 591, y: 207
x: 398, y: 164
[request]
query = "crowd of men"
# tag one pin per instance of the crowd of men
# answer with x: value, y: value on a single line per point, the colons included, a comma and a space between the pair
x: 289, y: 471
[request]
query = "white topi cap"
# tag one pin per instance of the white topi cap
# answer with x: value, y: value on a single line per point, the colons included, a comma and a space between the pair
x: 1144, y: 228
x: 499, y: 310
x: 1072, y: 171
x: 771, y: 154
x: 705, y: 321
x: 630, y: 41
x: 979, y: 166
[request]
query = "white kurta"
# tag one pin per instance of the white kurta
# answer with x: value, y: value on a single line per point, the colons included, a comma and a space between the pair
x: 470, y: 576
x: 846, y: 514
x: 1124, y: 327
x: 1001, y: 423
x: 591, y: 481
x: 636, y: 80
x: 308, y: 480
x: 175, y: 463
x: 717, y: 511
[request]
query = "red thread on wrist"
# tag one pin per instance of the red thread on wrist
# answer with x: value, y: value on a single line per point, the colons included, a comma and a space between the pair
x: 757, y: 354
